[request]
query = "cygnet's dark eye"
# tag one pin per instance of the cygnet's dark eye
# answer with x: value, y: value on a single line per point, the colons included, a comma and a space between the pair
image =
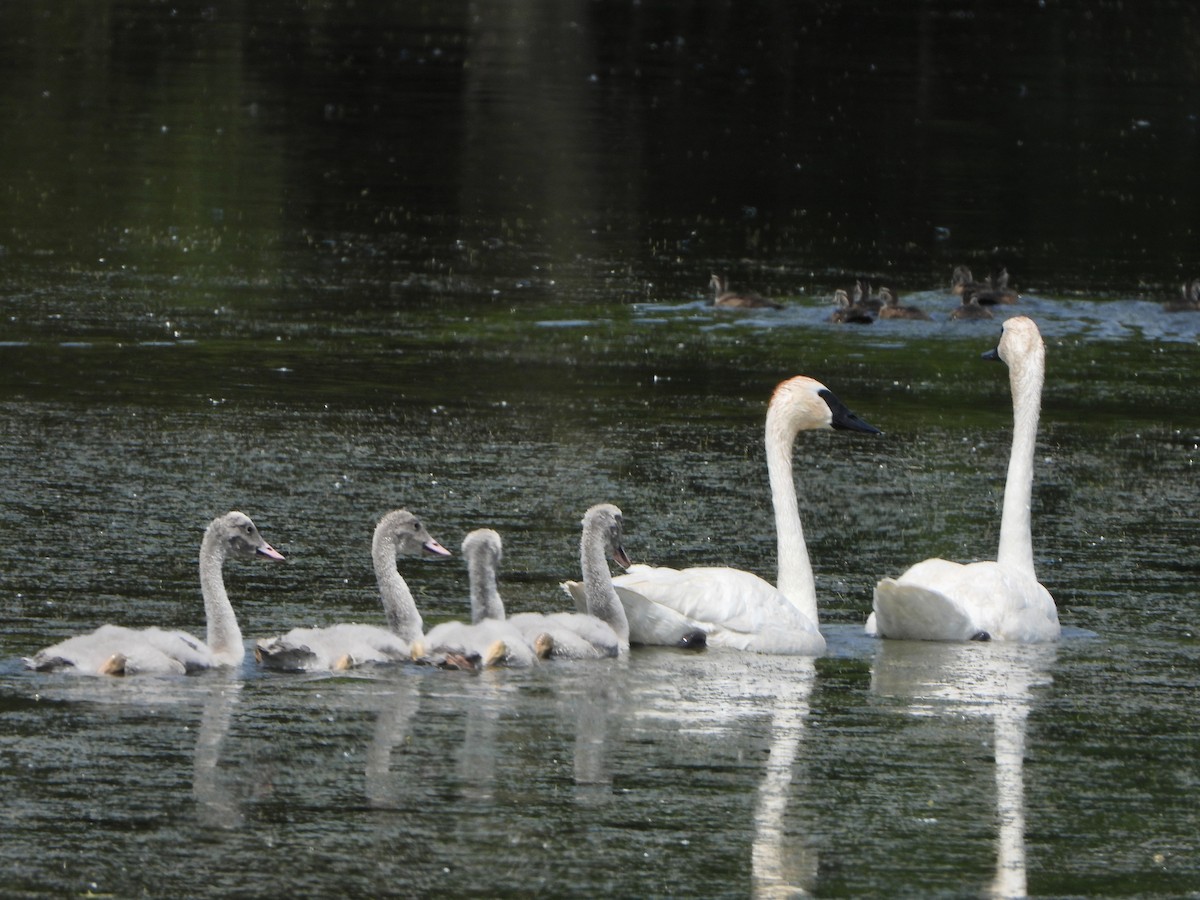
x: 416, y: 524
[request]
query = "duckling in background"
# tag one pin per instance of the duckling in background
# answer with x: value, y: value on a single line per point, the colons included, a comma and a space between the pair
x: 849, y: 313
x: 1189, y: 298
x: 962, y: 282
x: 991, y: 291
x: 997, y: 291
x: 970, y: 309
x: 892, y: 309
x: 722, y: 296
x: 865, y: 299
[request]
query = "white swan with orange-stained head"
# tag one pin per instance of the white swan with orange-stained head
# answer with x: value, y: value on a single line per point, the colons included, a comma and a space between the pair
x: 734, y: 608
x: 938, y: 600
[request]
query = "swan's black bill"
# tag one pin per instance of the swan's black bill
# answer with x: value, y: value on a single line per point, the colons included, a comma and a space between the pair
x: 842, y: 417
x: 992, y: 355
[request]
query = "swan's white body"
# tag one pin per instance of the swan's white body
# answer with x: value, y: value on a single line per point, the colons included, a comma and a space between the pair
x: 116, y: 650
x: 483, y: 645
x: 738, y: 609
x: 333, y: 648
x: 487, y: 640
x: 570, y: 635
x: 345, y: 646
x: 937, y: 600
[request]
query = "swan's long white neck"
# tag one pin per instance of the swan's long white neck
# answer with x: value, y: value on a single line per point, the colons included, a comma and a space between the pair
x: 602, y: 600
x: 795, y: 576
x: 398, y: 603
x: 224, y: 638
x: 1016, y: 537
x: 486, y: 602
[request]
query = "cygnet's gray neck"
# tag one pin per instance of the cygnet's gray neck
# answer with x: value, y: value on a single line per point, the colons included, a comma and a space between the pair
x: 398, y: 604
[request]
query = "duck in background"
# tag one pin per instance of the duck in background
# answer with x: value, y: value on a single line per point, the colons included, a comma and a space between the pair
x: 864, y: 299
x: 892, y: 309
x: 991, y: 291
x: 728, y: 299
x: 963, y: 282
x: 970, y: 309
x: 849, y: 313
x: 1189, y: 298
x: 997, y: 291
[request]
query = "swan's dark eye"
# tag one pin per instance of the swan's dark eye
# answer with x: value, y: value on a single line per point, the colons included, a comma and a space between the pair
x: 417, y: 524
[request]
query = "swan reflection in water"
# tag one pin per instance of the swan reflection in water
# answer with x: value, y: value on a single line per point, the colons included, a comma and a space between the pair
x: 993, y: 680
x: 770, y: 854
x: 397, y: 713
x: 216, y: 692
x: 713, y: 698
x: 471, y: 707
x: 217, y: 805
x: 687, y: 707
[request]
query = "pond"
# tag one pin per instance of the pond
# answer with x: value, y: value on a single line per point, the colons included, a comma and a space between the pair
x: 316, y: 261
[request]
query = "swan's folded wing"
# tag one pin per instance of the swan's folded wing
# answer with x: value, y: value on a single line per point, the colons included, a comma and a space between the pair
x: 1028, y: 615
x: 594, y: 633
x: 290, y: 652
x: 717, y: 596
x: 364, y: 643
x: 908, y: 611
x: 655, y: 623
x: 148, y: 660
x: 184, y: 652
x: 274, y: 653
x: 334, y: 647
x: 115, y: 649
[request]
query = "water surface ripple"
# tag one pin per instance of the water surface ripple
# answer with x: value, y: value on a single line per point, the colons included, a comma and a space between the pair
x: 317, y: 263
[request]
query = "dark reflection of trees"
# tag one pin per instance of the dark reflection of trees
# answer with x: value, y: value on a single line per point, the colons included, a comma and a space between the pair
x: 906, y: 137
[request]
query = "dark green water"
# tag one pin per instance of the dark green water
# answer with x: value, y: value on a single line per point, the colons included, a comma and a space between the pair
x: 317, y: 261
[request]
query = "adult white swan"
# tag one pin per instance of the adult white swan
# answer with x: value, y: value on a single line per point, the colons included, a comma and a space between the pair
x: 115, y: 650
x: 339, y: 647
x: 936, y: 600
x: 738, y: 609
